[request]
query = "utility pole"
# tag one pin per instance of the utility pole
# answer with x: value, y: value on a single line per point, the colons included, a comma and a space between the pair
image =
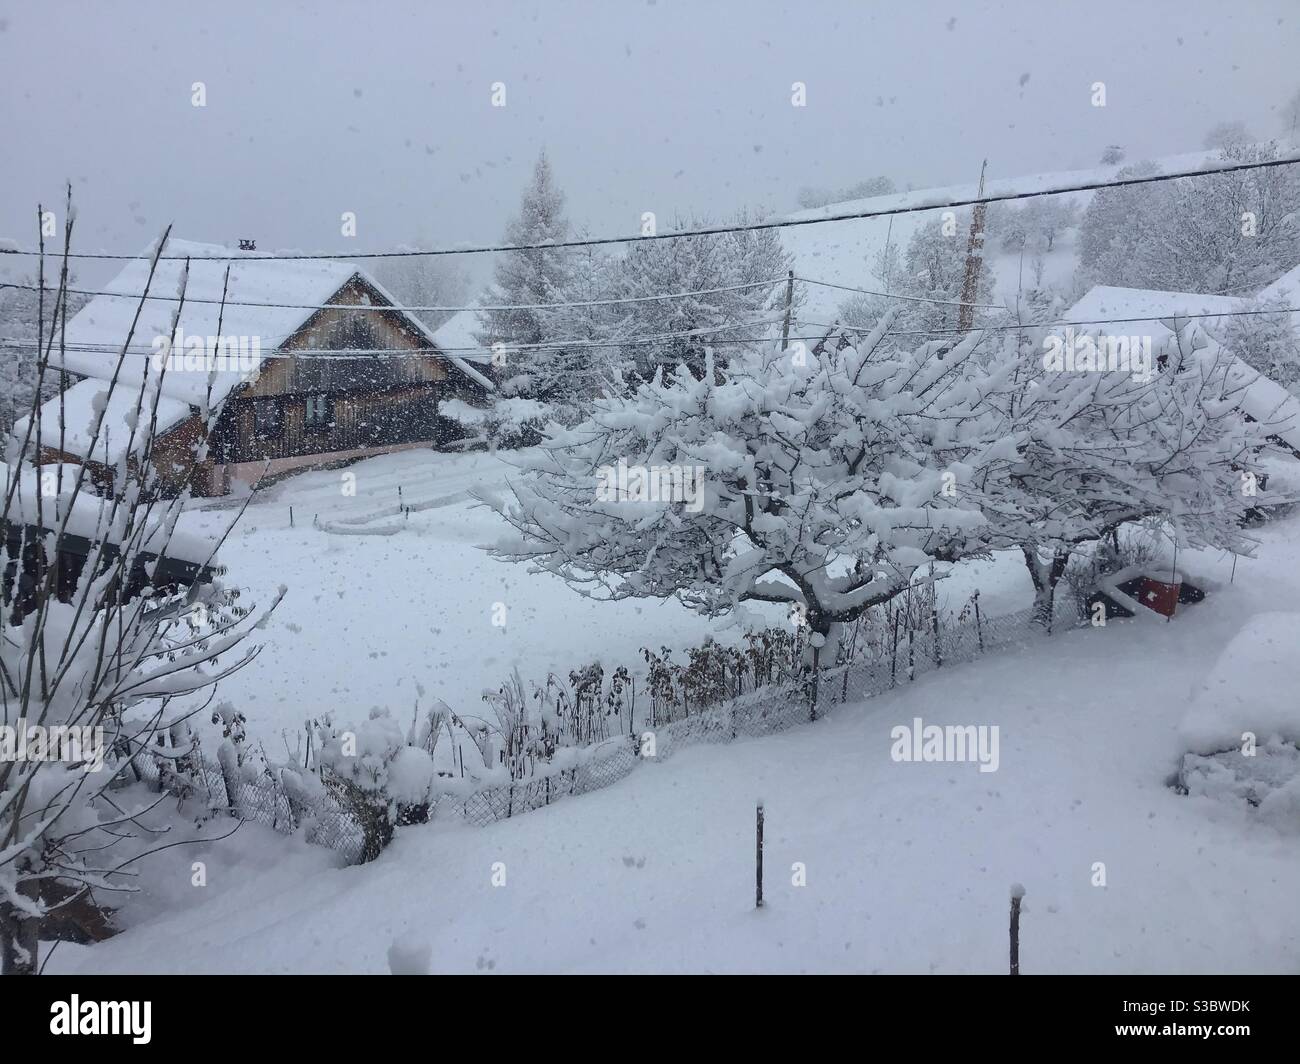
x: 974, y: 259
x: 789, y: 304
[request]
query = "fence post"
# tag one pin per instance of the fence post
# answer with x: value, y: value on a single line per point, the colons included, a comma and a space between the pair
x: 893, y: 660
x: 979, y: 631
x: 758, y: 857
x: 1017, y: 892
x: 934, y: 625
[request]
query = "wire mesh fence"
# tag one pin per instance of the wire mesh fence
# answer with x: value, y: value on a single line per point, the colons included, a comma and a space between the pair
x: 345, y: 823
x: 921, y: 650
x: 600, y: 766
x: 260, y: 799
x: 765, y: 711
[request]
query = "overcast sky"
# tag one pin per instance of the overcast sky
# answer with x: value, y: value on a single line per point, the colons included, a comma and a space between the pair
x: 384, y: 108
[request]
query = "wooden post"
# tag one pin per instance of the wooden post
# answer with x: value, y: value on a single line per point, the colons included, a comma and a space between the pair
x: 1017, y: 892
x: 893, y: 662
x: 789, y: 304
x: 974, y: 257
x: 934, y: 619
x: 291, y: 517
x: 979, y: 630
x: 758, y: 858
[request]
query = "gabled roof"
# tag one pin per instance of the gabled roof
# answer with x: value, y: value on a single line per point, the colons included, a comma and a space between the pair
x: 1148, y: 311
x: 254, y: 278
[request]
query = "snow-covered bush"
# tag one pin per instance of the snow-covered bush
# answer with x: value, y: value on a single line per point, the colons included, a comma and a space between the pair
x: 381, y: 775
x: 509, y: 423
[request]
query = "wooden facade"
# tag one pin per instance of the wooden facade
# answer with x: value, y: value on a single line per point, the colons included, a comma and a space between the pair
x: 327, y: 405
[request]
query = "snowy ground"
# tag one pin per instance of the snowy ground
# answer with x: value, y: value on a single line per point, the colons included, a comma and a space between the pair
x: 374, y: 620
x: 908, y: 865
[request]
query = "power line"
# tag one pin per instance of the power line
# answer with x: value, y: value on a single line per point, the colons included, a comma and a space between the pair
x: 717, y: 230
x: 1022, y: 327
x: 895, y: 295
x: 19, y: 343
x: 432, y: 352
x: 402, y: 307
x: 375, y: 307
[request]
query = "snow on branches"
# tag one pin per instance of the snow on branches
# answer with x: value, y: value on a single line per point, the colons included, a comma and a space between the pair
x: 827, y: 480
x: 820, y: 480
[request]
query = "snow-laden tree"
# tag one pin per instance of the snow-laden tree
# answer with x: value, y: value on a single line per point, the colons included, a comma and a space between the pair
x: 1100, y: 447
x: 1265, y: 339
x: 809, y: 197
x: 1033, y: 227
x: 95, y: 662
x: 821, y: 481
x: 699, y: 264
x: 1226, y: 135
x: 592, y: 363
x: 1113, y: 221
x: 931, y: 273
x: 1216, y: 233
x: 530, y: 277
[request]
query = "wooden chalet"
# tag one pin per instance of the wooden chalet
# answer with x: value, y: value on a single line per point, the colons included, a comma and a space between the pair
x: 289, y: 394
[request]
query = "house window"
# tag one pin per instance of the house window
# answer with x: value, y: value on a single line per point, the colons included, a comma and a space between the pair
x: 268, y: 419
x: 319, y: 413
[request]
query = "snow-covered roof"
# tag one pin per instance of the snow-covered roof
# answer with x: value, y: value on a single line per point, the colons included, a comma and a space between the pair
x: 1147, y: 310
x: 193, y: 537
x: 1286, y: 287
x: 457, y: 333
x: 254, y: 278
x: 98, y: 330
x: 1149, y: 307
x: 106, y: 320
x: 79, y: 406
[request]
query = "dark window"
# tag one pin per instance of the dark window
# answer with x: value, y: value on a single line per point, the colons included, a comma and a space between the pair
x: 268, y: 419
x: 319, y: 412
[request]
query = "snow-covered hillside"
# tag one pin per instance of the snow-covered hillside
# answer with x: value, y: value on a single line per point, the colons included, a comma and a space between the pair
x: 845, y: 253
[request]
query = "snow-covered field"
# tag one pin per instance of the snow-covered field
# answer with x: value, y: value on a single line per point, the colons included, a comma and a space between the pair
x: 383, y: 620
x: 908, y: 865
x: 373, y: 619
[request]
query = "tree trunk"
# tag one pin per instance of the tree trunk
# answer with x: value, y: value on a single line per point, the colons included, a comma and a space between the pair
x: 19, y: 936
x: 1045, y: 575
